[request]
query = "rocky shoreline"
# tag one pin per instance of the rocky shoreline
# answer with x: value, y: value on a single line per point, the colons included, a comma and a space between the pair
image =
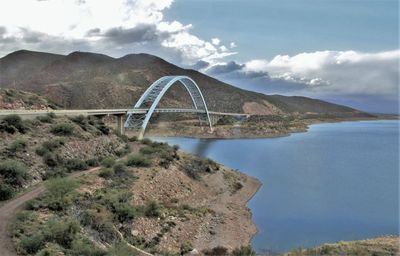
x: 182, y: 129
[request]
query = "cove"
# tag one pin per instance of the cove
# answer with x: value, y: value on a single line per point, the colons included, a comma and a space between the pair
x: 338, y: 181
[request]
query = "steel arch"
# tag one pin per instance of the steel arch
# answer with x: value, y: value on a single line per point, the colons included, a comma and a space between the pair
x: 153, y: 95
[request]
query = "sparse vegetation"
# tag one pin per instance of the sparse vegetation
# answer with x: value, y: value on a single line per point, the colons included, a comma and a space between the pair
x: 243, y: 251
x: 13, y: 173
x: 108, y: 161
x: 138, y: 160
x: 12, y: 124
x: 16, y: 146
x: 62, y: 129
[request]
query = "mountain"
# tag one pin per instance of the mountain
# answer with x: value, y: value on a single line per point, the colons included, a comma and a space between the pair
x: 90, y: 80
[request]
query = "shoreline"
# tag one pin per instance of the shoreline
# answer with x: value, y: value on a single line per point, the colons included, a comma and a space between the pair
x: 154, y: 132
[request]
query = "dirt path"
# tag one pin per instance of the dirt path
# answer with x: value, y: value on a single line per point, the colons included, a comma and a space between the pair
x: 8, y: 211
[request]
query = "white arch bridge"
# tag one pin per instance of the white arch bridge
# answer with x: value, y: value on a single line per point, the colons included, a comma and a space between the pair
x: 139, y: 116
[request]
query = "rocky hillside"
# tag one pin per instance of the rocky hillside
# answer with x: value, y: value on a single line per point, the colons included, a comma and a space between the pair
x: 388, y: 245
x: 34, y: 150
x: 134, y: 196
x: 89, y: 80
x: 19, y: 100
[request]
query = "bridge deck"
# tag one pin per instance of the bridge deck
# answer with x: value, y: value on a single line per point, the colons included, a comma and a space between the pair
x: 102, y: 112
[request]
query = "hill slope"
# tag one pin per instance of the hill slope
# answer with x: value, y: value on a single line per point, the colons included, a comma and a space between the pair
x: 89, y: 80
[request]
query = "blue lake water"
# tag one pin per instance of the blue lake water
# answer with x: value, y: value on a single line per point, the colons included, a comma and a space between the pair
x: 336, y: 182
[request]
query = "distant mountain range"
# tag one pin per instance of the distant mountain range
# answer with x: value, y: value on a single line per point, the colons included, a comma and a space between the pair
x: 90, y: 80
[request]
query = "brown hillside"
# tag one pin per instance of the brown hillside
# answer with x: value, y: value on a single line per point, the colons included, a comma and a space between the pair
x: 89, y: 80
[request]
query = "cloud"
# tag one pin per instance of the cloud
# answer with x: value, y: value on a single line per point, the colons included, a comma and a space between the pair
x: 223, y: 68
x: 141, y: 33
x: 114, y: 27
x: 323, y: 72
x: 215, y: 41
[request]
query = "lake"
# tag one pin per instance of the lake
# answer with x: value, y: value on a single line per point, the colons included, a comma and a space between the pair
x: 338, y: 181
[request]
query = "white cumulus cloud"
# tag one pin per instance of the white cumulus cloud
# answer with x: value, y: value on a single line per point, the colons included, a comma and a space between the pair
x: 115, y: 27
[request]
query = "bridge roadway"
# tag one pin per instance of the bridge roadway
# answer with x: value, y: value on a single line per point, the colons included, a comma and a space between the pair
x: 119, y: 113
x: 102, y: 112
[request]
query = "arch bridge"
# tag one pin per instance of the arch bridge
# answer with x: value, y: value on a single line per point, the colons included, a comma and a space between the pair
x: 139, y: 116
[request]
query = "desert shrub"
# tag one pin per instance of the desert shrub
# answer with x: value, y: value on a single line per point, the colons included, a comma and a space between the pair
x: 186, y: 247
x: 226, y: 120
x: 119, y: 169
x: 122, y: 249
x: 123, y: 151
x: 55, y: 172
x: 48, y: 118
x: 106, y: 173
x: 81, y: 121
x: 153, y: 209
x: 92, y: 162
x: 244, y: 251
x: 32, y: 244
x: 237, y: 186
x: 138, y: 160
x: 133, y: 139
x: 17, y: 145
x: 123, y: 211
x: 108, y: 161
x: 58, y: 195
x: 63, y: 129
x: 99, y: 220
x: 12, y: 124
x: 6, y: 191
x: 146, y: 141
x: 14, y: 173
x: 84, y: 246
x: 75, y: 164
x: 50, y: 146
x: 52, y: 159
x: 148, y: 150
x: 51, y: 249
x: 61, y: 231
x: 219, y: 250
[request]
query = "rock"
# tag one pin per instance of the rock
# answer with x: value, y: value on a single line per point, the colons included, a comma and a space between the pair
x: 194, y: 252
x: 135, y: 233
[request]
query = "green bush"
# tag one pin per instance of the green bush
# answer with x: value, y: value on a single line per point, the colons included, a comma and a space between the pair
x: 138, y: 160
x: 244, y: 251
x: 124, y: 211
x: 75, y: 164
x: 17, y: 145
x: 85, y: 247
x: 52, y: 159
x: 122, y: 249
x: 33, y: 243
x: 92, y: 162
x: 12, y: 124
x: 48, y: 118
x: 14, y: 173
x: 63, y: 129
x: 106, y: 173
x: 119, y: 169
x: 123, y: 151
x: 108, y: 162
x: 153, y: 209
x: 50, y: 146
x: 216, y: 251
x: 6, y: 191
x: 62, y: 232
x: 51, y: 249
x: 146, y: 141
x: 58, y: 193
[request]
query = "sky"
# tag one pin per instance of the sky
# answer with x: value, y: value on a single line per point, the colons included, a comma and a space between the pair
x: 343, y: 51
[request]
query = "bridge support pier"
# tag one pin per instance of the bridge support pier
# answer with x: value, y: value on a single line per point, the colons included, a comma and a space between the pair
x: 120, y: 124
